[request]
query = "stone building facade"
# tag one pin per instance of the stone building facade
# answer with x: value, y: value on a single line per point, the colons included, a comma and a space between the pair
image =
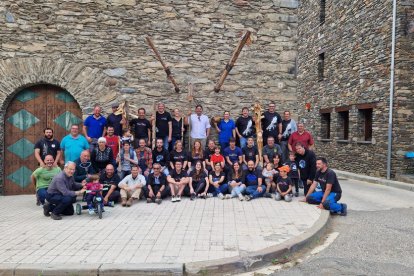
x: 96, y: 50
x: 344, y: 81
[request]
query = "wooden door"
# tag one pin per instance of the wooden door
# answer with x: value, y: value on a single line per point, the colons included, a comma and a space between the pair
x: 29, y: 113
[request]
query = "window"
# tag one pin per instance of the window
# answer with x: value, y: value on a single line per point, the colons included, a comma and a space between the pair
x: 322, y: 12
x: 343, y: 122
x: 325, y: 124
x: 365, y: 124
x: 321, y: 66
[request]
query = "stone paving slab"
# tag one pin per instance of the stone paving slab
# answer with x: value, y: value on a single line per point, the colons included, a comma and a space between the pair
x: 170, y: 233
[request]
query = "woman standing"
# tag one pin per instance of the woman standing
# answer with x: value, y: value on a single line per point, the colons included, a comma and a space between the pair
x: 236, y: 179
x: 102, y: 155
x: 226, y: 129
x: 198, y: 181
x: 177, y: 127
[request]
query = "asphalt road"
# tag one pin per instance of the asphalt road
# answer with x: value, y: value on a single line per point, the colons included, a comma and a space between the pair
x: 376, y: 238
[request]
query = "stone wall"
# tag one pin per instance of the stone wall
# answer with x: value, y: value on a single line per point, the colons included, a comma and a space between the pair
x: 356, y: 42
x: 96, y: 50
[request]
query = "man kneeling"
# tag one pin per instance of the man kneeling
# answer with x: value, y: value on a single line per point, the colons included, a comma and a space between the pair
x: 331, y: 190
x: 62, y: 193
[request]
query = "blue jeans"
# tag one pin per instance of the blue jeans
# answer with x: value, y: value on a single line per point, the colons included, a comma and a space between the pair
x: 223, y: 188
x: 252, y: 190
x: 41, y: 195
x: 236, y: 191
x: 243, y: 142
x: 330, y: 202
x: 61, y: 204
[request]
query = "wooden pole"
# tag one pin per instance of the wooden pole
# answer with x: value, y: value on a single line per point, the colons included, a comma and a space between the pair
x: 154, y: 126
x: 190, y: 98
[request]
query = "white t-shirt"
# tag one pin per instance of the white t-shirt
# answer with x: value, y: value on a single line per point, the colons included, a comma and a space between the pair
x: 199, y: 125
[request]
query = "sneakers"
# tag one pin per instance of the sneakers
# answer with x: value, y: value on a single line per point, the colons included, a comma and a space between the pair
x: 129, y: 202
x: 158, y: 200
x: 173, y: 199
x: 248, y: 197
x: 149, y: 200
x: 110, y: 204
x: 267, y: 195
x: 178, y: 198
x: 91, y: 211
x: 344, y: 211
x: 46, y: 211
x: 228, y: 196
x: 124, y: 201
x: 220, y: 195
x: 241, y: 197
x: 55, y: 217
x: 296, y: 194
x: 209, y: 195
x: 193, y: 196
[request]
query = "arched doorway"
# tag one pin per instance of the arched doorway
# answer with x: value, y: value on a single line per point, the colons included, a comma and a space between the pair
x: 31, y: 110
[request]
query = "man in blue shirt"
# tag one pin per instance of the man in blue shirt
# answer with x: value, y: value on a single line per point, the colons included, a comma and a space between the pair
x: 94, y: 127
x: 254, y: 186
x: 233, y: 154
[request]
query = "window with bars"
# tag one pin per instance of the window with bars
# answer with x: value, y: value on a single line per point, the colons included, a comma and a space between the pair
x: 326, y: 125
x: 321, y: 66
x: 343, y: 121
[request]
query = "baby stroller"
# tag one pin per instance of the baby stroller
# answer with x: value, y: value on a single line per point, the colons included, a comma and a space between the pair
x: 97, y: 202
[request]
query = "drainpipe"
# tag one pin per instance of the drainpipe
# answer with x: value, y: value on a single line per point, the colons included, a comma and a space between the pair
x: 394, y: 20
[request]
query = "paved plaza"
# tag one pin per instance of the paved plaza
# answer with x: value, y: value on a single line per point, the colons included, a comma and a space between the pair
x: 182, y: 232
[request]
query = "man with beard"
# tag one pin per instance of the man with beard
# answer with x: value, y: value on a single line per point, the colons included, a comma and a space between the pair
x: 141, y: 128
x: 254, y: 182
x: 112, y: 140
x: 47, y: 145
x: 84, y: 167
x: 306, y: 161
x: 200, y: 126
x: 272, y: 124
x: 109, y: 179
x: 42, y: 177
x: 244, y: 127
x: 115, y: 121
x: 163, y: 125
x: 161, y: 156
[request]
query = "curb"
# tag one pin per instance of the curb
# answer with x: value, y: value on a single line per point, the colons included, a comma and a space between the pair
x: 231, y: 265
x: 376, y: 180
x: 262, y: 257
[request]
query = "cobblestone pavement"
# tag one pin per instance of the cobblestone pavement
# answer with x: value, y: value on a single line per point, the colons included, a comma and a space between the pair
x: 148, y: 233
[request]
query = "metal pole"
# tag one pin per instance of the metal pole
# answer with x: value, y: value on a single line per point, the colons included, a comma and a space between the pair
x: 389, y: 153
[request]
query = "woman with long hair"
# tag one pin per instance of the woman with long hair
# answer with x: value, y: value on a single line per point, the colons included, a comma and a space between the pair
x: 236, y: 180
x: 197, y: 154
x: 198, y: 181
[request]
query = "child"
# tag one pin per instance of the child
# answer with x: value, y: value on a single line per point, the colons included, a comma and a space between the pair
x: 269, y: 173
x: 127, y: 137
x: 284, y: 185
x: 93, y: 185
x: 294, y: 173
x: 217, y: 157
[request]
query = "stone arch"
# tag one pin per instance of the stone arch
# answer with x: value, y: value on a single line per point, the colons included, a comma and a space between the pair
x: 84, y: 83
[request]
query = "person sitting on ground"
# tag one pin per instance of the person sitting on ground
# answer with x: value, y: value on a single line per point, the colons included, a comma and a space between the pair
x: 178, y: 154
x: 250, y: 152
x: 102, y: 155
x: 217, y: 181
x: 144, y: 156
x: 254, y: 182
x: 331, y: 190
x: 126, y: 159
x: 42, y: 177
x: 84, y: 167
x: 208, y: 152
x: 62, y: 193
x: 217, y: 157
x: 156, y: 189
x: 198, y: 181
x: 178, y: 181
x: 284, y: 185
x: 195, y: 155
x: 270, y: 150
x: 269, y: 174
x: 131, y: 187
x: 294, y: 173
x: 236, y: 179
x: 232, y: 154
x: 110, y: 180
x: 161, y: 156
x: 94, y: 188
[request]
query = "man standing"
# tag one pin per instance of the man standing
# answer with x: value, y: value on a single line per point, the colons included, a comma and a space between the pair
x: 331, y: 190
x: 200, y: 126
x: 244, y: 127
x: 270, y: 150
x: 94, y: 127
x: 73, y: 144
x: 131, y: 187
x: 141, y: 128
x: 42, y: 177
x: 254, y: 186
x: 109, y: 179
x: 62, y: 193
x: 163, y: 125
x: 306, y: 161
x: 301, y: 136
x: 156, y: 189
x: 47, y: 145
x: 115, y: 121
x: 84, y: 167
x: 272, y: 124
x: 288, y: 127
x: 112, y: 140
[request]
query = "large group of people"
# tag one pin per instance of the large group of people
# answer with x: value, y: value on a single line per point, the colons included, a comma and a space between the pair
x: 150, y: 159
